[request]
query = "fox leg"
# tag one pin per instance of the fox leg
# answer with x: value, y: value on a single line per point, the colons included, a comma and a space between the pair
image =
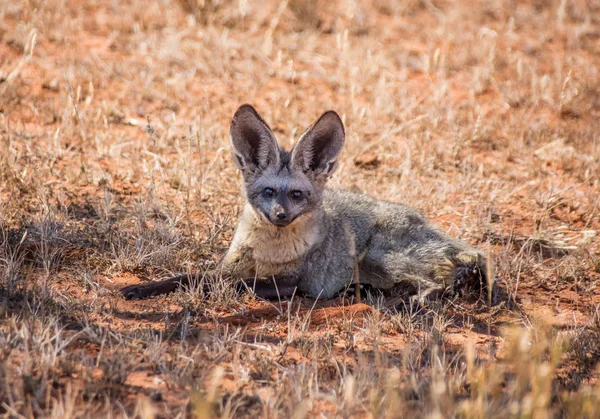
x: 426, y: 289
x: 154, y: 288
x: 467, y: 269
x: 268, y: 289
x: 448, y: 272
x: 234, y: 264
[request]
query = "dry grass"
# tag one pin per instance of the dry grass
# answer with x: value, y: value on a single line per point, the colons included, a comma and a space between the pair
x: 115, y: 168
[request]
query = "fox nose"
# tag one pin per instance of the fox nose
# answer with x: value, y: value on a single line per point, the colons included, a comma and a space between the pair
x: 280, y: 215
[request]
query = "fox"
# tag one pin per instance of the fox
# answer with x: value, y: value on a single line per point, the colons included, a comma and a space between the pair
x: 295, y: 235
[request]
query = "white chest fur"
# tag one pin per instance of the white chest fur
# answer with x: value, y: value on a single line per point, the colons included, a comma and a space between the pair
x: 275, y: 249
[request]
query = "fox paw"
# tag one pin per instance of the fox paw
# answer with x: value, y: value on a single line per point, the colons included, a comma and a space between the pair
x: 139, y: 291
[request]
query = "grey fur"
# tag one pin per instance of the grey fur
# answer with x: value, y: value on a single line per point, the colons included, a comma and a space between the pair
x: 316, y: 240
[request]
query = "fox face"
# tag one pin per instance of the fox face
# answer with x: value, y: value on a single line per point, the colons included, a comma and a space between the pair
x: 283, y: 186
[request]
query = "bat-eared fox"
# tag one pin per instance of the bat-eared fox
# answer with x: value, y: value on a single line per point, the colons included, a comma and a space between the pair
x: 295, y: 235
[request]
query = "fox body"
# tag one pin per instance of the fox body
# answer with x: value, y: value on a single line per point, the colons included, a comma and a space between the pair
x: 318, y: 241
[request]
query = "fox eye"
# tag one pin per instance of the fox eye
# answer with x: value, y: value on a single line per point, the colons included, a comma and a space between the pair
x: 296, y: 194
x: 269, y: 192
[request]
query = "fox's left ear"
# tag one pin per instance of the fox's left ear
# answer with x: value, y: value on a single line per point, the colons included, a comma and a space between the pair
x: 318, y: 149
x: 254, y: 145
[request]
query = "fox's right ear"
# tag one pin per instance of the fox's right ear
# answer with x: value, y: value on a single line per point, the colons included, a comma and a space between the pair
x: 254, y: 145
x: 318, y: 149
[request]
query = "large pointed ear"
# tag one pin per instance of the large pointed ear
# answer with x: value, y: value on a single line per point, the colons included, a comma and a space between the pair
x: 318, y: 149
x: 254, y: 145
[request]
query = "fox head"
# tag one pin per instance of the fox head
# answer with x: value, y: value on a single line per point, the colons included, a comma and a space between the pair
x: 282, y: 186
